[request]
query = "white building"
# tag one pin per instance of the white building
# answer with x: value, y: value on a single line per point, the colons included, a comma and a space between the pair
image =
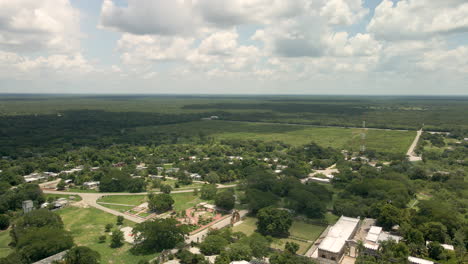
x: 414, y: 260
x: 91, y: 184
x: 332, y: 248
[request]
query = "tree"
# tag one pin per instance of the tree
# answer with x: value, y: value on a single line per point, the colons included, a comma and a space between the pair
x: 61, y: 185
x: 259, y: 244
x: 160, y: 202
x: 102, y: 239
x: 38, y: 243
x: 291, y: 247
x: 82, y: 255
x: 4, y: 222
x: 225, y: 200
x: 212, y: 177
x: 213, y: 245
x: 158, y: 235
x: 120, y: 220
x: 116, y: 238
x: 274, y: 222
x: 436, y: 251
x: 108, y: 227
x: 389, y: 216
x: 136, y: 185
x: 165, y: 188
x: 208, y: 191
x: 435, y: 231
x: 35, y: 219
x: 257, y: 199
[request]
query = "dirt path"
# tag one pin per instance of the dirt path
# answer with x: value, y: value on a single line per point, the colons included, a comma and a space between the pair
x: 411, y: 154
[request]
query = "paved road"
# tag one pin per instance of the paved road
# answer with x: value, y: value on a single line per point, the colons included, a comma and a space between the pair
x: 91, y: 200
x: 412, y: 155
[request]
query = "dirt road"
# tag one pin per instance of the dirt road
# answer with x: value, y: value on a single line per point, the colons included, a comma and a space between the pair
x: 412, y: 156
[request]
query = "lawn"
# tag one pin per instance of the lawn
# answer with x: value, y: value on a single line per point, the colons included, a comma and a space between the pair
x: 299, y: 229
x: 280, y: 243
x: 306, y: 231
x: 77, y: 197
x: 341, y: 138
x: 87, y: 224
x: 124, y: 199
x: 248, y: 226
x: 182, y: 201
x: 5, y: 250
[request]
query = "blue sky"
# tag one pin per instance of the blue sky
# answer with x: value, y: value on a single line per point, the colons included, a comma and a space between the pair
x: 235, y: 47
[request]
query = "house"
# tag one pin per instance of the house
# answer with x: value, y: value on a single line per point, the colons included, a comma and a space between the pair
x: 118, y: 164
x: 91, y: 184
x: 333, y: 247
x: 240, y: 262
x: 375, y: 236
x: 141, y: 166
x: 61, y: 202
x: 414, y: 260
x: 94, y: 168
x: 445, y: 246
x: 195, y: 176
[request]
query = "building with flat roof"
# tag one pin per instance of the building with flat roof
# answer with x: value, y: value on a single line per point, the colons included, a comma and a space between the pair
x: 333, y: 247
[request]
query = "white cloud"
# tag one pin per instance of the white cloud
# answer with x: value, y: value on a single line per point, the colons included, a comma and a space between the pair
x: 31, y: 25
x: 415, y: 19
x: 454, y: 60
x: 343, y: 12
x: 161, y: 17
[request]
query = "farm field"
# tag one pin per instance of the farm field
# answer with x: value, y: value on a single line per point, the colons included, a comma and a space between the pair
x: 87, y: 224
x: 4, y: 241
x: 342, y: 138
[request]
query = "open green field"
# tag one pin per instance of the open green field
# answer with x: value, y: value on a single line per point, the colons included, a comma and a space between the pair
x: 341, y: 138
x: 299, y: 232
x: 5, y: 239
x: 305, y: 231
x: 87, y: 224
x: 55, y: 196
x: 124, y: 199
x: 280, y: 243
x: 182, y: 201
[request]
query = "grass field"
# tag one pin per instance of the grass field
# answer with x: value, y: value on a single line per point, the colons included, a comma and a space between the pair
x: 182, y: 201
x: 299, y: 229
x: 4, y: 241
x: 87, y: 224
x: 124, y: 199
x: 279, y: 244
x: 306, y: 231
x: 47, y: 195
x: 341, y: 138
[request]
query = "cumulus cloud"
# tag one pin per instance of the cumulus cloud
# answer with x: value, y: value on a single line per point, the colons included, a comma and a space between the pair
x: 161, y: 17
x: 30, y: 25
x: 416, y: 19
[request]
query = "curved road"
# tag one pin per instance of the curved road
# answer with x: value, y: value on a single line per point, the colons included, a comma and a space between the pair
x: 91, y: 200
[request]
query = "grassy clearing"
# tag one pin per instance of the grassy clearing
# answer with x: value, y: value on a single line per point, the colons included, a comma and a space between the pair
x: 56, y: 196
x: 299, y: 230
x: 248, y: 226
x: 182, y: 201
x: 5, y: 239
x: 306, y: 231
x: 87, y: 224
x: 280, y: 243
x: 347, y: 138
x: 124, y: 199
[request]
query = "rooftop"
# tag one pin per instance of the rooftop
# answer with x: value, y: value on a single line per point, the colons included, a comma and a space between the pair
x: 338, y: 234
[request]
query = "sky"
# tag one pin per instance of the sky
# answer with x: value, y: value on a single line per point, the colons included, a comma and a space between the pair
x: 408, y: 47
